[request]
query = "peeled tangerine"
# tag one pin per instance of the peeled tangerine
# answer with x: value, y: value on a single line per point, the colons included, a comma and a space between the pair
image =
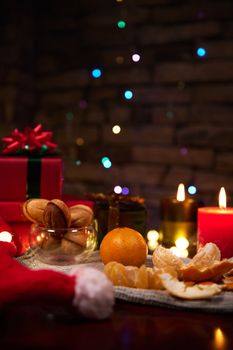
x: 206, y: 256
x: 131, y: 276
x: 206, y: 265
x: 164, y: 260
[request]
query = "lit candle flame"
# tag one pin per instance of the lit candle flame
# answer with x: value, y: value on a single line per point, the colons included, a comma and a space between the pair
x: 222, y: 199
x: 180, y: 193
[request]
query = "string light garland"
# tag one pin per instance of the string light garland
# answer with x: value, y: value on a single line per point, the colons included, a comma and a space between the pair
x: 169, y: 109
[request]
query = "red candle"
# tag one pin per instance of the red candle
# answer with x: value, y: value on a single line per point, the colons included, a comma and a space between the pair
x: 215, y: 224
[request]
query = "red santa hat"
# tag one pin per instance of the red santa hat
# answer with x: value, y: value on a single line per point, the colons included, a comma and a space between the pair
x: 85, y: 290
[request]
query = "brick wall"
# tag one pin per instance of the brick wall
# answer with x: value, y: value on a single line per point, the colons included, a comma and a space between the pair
x: 177, y: 128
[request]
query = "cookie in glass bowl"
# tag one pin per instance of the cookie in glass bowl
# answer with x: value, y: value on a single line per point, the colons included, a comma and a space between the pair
x: 60, y: 234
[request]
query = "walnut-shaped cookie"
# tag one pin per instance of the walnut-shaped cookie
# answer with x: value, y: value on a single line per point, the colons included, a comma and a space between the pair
x: 33, y: 209
x: 57, y: 216
x: 81, y: 215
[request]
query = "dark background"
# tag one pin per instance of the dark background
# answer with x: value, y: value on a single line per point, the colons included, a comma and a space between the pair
x: 177, y: 128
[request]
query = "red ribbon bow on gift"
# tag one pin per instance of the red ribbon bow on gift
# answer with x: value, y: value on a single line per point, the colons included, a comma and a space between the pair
x: 30, y: 140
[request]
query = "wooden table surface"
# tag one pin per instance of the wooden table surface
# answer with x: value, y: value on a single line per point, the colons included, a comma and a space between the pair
x: 131, y: 326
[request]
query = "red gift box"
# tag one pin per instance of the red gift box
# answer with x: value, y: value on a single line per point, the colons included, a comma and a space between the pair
x: 12, y: 214
x: 23, y: 177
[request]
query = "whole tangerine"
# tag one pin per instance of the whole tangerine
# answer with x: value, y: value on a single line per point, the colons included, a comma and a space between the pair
x: 124, y: 245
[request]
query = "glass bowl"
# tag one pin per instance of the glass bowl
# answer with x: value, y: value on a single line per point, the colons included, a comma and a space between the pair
x: 62, y: 246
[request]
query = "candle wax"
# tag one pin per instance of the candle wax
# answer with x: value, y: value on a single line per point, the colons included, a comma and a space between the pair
x: 179, y: 219
x: 216, y: 225
x: 174, y: 210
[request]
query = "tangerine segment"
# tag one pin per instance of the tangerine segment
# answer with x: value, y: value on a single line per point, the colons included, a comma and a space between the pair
x: 142, y: 278
x: 206, y: 256
x: 165, y: 260
x: 124, y: 245
x: 154, y: 280
x: 131, y: 276
x: 117, y: 274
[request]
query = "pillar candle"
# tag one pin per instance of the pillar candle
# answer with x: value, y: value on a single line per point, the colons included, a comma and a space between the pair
x: 215, y: 224
x: 179, y: 219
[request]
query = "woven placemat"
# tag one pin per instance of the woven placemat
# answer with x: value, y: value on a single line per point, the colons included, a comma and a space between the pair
x: 221, y: 303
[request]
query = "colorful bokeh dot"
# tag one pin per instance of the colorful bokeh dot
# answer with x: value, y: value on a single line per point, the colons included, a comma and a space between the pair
x: 136, y: 57
x: 192, y: 189
x: 125, y: 190
x: 116, y: 129
x: 117, y: 189
x: 121, y: 24
x: 201, y: 51
x: 96, y: 73
x: 128, y: 94
x: 106, y: 162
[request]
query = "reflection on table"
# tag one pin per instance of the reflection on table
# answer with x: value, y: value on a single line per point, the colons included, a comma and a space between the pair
x: 131, y: 326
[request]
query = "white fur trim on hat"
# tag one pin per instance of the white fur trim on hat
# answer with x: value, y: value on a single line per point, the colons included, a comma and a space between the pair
x: 94, y: 293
